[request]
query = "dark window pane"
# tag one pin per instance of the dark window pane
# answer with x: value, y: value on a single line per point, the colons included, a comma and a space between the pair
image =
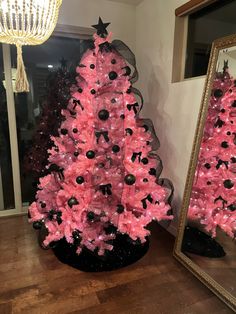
x: 215, y: 21
x: 42, y: 65
x: 7, y: 200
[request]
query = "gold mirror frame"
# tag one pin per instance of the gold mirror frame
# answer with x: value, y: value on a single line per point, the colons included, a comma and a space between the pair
x: 223, y: 294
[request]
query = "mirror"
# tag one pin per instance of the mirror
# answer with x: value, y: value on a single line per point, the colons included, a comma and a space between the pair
x: 206, y: 241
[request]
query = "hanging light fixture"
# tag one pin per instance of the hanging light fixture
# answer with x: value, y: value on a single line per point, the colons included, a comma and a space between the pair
x: 26, y: 22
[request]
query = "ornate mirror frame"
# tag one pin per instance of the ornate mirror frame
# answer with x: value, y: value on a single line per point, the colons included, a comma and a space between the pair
x: 206, y: 279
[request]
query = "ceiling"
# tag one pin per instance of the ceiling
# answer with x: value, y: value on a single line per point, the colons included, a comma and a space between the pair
x: 133, y: 2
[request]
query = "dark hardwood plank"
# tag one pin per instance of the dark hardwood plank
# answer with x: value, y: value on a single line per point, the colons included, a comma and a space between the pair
x: 34, y: 281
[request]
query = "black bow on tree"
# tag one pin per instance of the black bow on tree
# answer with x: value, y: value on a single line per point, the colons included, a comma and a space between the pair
x: 220, y: 198
x: 135, y: 155
x: 56, y: 168
x: 77, y: 102
x: 98, y: 134
x: 133, y: 106
x: 106, y: 189
x: 144, y: 201
x: 221, y: 162
x: 219, y: 123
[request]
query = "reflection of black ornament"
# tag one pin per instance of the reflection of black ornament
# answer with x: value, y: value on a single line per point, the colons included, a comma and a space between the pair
x: 115, y: 149
x: 224, y: 144
x: 80, y: 180
x: 145, y: 161
x: 37, y: 225
x: 103, y: 114
x: 228, y: 184
x: 128, y: 131
x: 113, y: 61
x: 91, y: 216
x: 120, y: 209
x: 127, y: 70
x: 113, y: 75
x: 153, y: 172
x: 130, y: 179
x: 90, y: 154
x: 64, y: 131
x: 218, y: 93
x: 207, y: 165
x: 72, y: 201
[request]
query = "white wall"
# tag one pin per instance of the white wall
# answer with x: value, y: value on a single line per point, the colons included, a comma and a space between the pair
x: 173, y: 107
x: 85, y: 13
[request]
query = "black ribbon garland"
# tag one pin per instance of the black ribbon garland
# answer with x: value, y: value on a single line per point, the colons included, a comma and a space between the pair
x: 144, y: 201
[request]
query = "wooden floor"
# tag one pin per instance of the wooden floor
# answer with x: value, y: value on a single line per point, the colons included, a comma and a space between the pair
x: 34, y: 281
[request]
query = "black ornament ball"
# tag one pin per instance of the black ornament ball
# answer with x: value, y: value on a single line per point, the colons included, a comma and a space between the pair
x: 90, y: 154
x: 80, y: 90
x: 80, y: 180
x: 127, y: 71
x: 224, y: 144
x: 129, y: 131
x: 115, y: 149
x: 130, y: 179
x: 207, y: 165
x: 152, y: 172
x: 76, y: 154
x: 103, y: 114
x: 145, y: 161
x: 43, y: 205
x: 72, y: 201
x: 113, y: 61
x: 75, y: 130
x: 93, y: 92
x: 232, y: 207
x: 218, y: 93
x: 228, y: 184
x: 145, y: 180
x: 92, y: 66
x: 91, y: 216
x: 113, y: 75
x: 234, y: 104
x: 37, y: 225
x: 120, y: 209
x: 64, y: 131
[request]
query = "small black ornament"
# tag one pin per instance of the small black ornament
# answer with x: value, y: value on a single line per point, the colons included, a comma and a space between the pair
x: 228, y: 133
x: 145, y: 161
x: 233, y: 160
x: 75, y: 130
x: 130, y: 179
x: 76, y: 154
x: 113, y: 75
x: 80, y: 180
x: 234, y: 104
x: 207, y: 165
x: 80, y: 90
x: 127, y: 70
x: 232, y: 207
x: 228, y: 184
x: 113, y: 61
x: 64, y: 131
x: 103, y: 114
x: 37, y: 225
x: 43, y: 205
x: 145, y: 180
x: 129, y: 131
x: 91, y: 216
x: 115, y: 149
x: 224, y: 144
x: 90, y: 154
x: 72, y: 201
x: 77, y: 238
x: 122, y: 116
x: 110, y: 229
x: 113, y: 100
x: 153, y: 172
x: 222, y: 110
x: 218, y: 93
x: 93, y: 92
x: 120, y: 209
x: 208, y: 182
x: 92, y: 66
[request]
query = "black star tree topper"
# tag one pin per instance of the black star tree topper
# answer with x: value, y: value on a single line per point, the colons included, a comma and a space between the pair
x: 101, y: 28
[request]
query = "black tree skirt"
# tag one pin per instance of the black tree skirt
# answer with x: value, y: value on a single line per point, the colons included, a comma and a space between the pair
x: 124, y: 253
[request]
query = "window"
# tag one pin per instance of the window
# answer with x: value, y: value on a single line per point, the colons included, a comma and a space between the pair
x: 42, y: 63
x: 198, y: 24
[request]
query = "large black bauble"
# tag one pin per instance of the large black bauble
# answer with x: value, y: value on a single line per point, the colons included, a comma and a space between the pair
x: 80, y: 180
x: 120, y: 209
x: 37, y: 225
x: 72, y: 201
x: 130, y: 179
x: 232, y: 207
x: 218, y: 93
x: 113, y: 75
x: 228, y: 184
x: 224, y: 144
x: 90, y: 154
x: 103, y: 114
x: 115, y: 149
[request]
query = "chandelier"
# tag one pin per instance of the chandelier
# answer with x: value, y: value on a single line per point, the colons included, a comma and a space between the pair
x: 26, y: 22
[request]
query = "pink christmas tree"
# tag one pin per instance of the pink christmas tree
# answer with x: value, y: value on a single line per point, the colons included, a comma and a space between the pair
x: 213, y: 200
x: 103, y: 179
